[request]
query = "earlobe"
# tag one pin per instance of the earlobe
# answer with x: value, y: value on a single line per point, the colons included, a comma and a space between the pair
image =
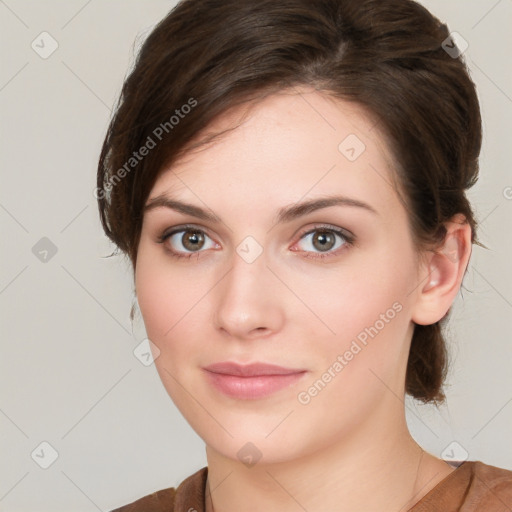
x: 444, y: 270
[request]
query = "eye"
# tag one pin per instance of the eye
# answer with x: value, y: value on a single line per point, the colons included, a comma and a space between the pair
x: 185, y: 241
x: 325, y: 239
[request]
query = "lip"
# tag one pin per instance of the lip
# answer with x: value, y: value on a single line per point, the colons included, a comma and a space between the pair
x: 250, y: 370
x: 251, y: 381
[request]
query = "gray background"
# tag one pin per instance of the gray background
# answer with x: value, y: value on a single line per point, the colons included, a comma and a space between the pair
x: 69, y: 375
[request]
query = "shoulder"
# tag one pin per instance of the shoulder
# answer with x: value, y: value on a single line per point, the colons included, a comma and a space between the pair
x: 189, y: 492
x: 158, y: 501
x: 473, y: 487
x: 491, y: 487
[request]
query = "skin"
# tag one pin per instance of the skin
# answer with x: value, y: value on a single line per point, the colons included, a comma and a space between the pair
x: 349, y: 448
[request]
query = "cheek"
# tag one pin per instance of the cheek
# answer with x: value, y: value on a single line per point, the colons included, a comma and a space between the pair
x: 361, y: 365
x: 350, y: 299
x: 169, y: 300
x: 165, y: 297
x: 154, y: 300
x: 365, y: 317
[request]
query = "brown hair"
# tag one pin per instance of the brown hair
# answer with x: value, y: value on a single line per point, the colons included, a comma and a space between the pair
x: 207, y: 56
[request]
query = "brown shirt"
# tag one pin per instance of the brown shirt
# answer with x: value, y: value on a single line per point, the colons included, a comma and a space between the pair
x: 472, y: 487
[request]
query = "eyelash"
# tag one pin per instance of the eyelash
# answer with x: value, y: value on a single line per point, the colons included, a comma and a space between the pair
x: 348, y: 239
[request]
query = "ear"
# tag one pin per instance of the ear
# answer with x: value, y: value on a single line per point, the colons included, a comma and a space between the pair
x: 443, y: 270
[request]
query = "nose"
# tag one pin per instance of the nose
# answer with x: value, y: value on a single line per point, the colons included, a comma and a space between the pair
x: 249, y: 300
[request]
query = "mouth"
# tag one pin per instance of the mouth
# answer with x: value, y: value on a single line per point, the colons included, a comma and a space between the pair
x: 252, y: 381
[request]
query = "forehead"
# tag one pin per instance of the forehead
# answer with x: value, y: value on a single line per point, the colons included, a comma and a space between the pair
x: 291, y: 145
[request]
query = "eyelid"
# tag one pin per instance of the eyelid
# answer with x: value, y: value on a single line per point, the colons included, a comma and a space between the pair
x: 330, y: 227
x: 302, y: 231
x: 182, y: 227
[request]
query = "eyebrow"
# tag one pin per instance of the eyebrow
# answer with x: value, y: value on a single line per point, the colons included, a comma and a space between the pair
x: 286, y: 214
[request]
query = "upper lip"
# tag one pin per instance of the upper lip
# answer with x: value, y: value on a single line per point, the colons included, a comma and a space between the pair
x: 250, y: 370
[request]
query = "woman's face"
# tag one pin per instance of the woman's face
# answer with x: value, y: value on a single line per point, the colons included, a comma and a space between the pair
x: 328, y: 292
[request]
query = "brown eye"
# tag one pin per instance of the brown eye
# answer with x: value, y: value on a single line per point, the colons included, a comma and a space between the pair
x: 324, y: 241
x: 192, y: 240
x: 186, y: 241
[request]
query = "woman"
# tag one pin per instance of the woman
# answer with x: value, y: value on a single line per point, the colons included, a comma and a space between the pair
x: 288, y: 180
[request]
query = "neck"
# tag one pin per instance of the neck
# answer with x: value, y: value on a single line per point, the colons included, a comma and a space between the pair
x: 385, y: 471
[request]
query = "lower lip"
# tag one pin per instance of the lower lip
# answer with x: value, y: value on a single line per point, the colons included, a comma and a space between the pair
x: 252, y: 388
